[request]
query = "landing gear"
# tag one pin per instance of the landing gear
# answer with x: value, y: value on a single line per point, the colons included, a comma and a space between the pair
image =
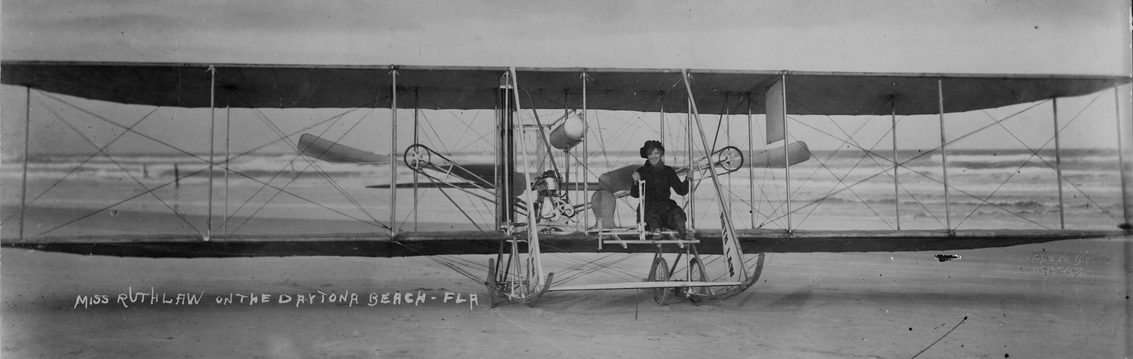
x: 659, y: 272
x: 519, y: 280
x: 696, y: 273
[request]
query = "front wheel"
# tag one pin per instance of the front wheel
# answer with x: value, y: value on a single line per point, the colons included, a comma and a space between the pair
x: 659, y: 272
x: 696, y: 274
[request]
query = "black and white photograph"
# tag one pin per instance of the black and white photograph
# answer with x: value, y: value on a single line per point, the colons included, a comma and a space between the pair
x: 589, y: 179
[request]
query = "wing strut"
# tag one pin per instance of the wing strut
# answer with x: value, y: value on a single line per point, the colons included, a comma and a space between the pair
x: 212, y: 140
x: 732, y: 252
x: 393, y: 152
x: 528, y: 282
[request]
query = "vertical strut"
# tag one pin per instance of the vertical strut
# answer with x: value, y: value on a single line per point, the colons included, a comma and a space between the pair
x: 691, y: 186
x: 212, y: 140
x: 393, y: 155
x: 1058, y: 165
x: 1128, y: 216
x: 507, y: 175
x: 728, y: 139
x: 505, y: 155
x: 661, y: 116
x: 416, y: 124
x: 893, y: 131
x: 227, y: 154
x: 750, y: 168
x: 585, y: 177
x: 27, y: 156
x: 566, y: 165
x: 501, y: 153
x: 496, y: 136
x: 786, y: 154
x: 943, y: 154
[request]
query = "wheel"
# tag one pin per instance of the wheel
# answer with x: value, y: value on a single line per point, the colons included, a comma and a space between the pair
x: 417, y: 156
x: 730, y: 158
x: 659, y: 272
x: 696, y: 274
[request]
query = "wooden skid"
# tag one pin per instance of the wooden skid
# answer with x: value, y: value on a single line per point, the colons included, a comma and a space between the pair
x: 643, y: 285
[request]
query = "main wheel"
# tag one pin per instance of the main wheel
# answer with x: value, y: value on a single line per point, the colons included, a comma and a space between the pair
x: 696, y: 274
x: 659, y: 272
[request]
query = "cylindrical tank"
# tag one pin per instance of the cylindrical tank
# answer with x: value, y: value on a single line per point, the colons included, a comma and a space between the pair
x: 569, y: 133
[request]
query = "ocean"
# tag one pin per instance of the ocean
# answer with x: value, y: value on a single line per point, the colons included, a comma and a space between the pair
x: 988, y: 189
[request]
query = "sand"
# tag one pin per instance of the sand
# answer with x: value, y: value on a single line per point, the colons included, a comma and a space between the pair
x: 1055, y: 300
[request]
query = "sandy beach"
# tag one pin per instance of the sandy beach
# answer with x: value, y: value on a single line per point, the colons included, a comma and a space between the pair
x: 1061, y: 299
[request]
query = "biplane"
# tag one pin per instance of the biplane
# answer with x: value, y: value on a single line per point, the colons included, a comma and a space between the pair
x: 542, y: 193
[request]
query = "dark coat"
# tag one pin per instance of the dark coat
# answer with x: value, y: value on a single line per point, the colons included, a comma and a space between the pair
x: 658, y: 181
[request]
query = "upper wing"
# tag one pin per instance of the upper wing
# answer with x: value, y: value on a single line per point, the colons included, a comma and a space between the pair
x: 450, y: 87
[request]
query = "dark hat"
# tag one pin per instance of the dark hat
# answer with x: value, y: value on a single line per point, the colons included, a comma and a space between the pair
x: 649, y: 146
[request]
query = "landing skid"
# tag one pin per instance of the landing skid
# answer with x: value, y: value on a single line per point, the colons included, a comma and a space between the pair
x: 512, y: 291
x: 696, y: 286
x: 698, y: 294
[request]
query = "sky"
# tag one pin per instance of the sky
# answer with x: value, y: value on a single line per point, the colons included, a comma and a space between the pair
x: 1072, y: 37
x: 1018, y: 37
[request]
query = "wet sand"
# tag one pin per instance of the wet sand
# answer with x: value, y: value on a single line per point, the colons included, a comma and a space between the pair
x: 1054, y: 300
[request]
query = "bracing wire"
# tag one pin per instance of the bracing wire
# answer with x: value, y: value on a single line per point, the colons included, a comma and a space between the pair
x: 182, y: 151
x: 903, y: 164
x: 83, y: 162
x: 842, y: 178
x: 1034, y: 154
x: 458, y: 207
x: 102, y: 151
x: 298, y: 154
x: 885, y: 171
x: 310, y: 163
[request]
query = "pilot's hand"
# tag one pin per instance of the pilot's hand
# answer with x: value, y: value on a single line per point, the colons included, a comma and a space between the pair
x: 636, y: 177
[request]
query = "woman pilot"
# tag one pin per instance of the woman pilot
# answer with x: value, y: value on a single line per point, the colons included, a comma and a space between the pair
x: 660, y: 210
